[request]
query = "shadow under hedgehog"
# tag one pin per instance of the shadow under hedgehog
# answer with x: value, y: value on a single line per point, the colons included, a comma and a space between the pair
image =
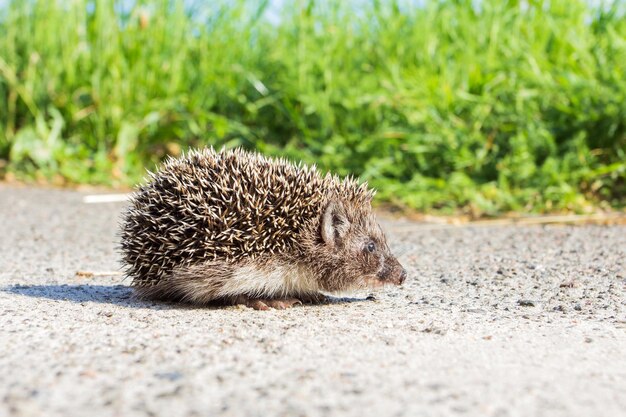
x: 234, y: 227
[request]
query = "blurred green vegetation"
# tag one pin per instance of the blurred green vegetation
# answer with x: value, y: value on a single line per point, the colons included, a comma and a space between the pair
x: 486, y: 106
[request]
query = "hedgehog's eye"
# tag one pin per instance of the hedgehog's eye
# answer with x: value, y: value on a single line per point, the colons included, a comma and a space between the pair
x: 370, y: 247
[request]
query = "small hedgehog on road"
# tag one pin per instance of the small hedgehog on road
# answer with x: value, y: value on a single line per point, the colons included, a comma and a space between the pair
x: 235, y: 227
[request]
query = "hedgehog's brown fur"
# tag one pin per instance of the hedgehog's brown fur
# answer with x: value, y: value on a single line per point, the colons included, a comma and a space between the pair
x: 208, y: 224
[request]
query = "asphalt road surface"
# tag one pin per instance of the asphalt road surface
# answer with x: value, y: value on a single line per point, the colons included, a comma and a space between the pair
x: 493, y: 321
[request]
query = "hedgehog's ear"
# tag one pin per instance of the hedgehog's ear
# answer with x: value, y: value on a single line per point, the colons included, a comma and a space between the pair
x: 335, y: 223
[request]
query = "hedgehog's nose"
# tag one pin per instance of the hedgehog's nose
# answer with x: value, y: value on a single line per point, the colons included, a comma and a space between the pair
x: 402, y: 276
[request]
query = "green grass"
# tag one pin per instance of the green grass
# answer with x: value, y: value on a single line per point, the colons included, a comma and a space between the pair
x: 446, y: 107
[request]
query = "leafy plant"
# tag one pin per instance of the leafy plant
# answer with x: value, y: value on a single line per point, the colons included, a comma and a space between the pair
x: 484, y: 106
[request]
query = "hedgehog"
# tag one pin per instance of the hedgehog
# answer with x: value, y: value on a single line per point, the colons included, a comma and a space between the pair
x: 236, y: 227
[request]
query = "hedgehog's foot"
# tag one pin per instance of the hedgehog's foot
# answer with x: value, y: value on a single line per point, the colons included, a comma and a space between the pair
x: 266, y: 304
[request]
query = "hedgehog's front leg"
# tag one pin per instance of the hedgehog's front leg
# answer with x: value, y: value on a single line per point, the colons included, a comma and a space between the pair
x: 280, y: 303
x: 267, y: 303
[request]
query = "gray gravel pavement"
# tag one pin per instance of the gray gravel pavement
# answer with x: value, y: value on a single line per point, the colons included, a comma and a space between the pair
x: 494, y: 321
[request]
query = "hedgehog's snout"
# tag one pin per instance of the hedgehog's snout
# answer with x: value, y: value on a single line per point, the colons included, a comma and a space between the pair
x: 392, y: 272
x: 399, y: 277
